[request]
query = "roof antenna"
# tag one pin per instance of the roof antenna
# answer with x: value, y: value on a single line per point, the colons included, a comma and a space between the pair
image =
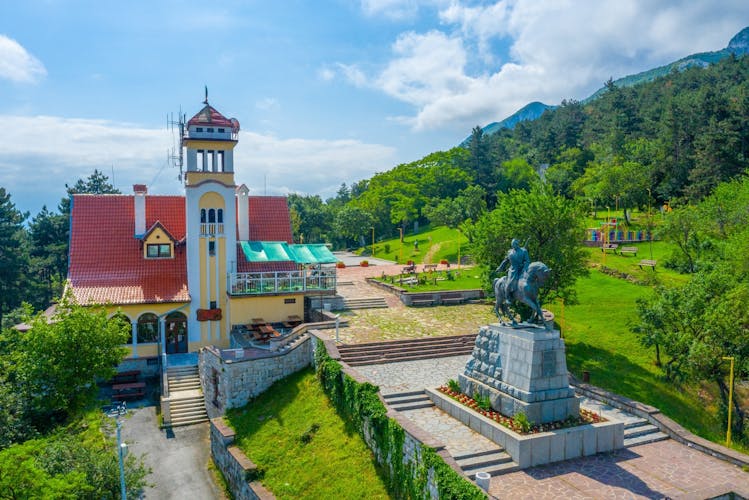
x: 206, y: 95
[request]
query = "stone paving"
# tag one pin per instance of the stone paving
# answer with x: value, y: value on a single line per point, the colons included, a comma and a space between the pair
x: 665, y: 469
x: 457, y: 438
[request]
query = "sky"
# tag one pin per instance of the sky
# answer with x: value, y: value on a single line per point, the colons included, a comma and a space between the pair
x: 326, y: 91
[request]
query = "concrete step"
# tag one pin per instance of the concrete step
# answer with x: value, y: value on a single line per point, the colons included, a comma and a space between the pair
x: 413, y: 357
x: 181, y: 370
x: 189, y: 412
x: 188, y: 403
x: 427, y: 344
x: 494, y: 462
x: 181, y: 422
x: 495, y: 470
x: 408, y: 401
x: 365, y: 303
x: 406, y: 350
x: 640, y: 430
x: 645, y: 439
x: 470, y: 338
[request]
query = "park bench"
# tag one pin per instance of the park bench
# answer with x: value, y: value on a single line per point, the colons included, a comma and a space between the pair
x: 609, y: 246
x: 422, y: 299
x: 409, y: 269
x: 132, y: 390
x: 292, y: 321
x: 452, y: 298
x: 647, y: 263
x: 632, y: 250
x: 126, y: 376
x: 430, y: 267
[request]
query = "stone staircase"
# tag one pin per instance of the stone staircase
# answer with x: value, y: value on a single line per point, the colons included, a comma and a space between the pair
x: 365, y: 303
x: 406, y: 350
x: 494, y: 462
x: 186, y: 400
x: 638, y: 431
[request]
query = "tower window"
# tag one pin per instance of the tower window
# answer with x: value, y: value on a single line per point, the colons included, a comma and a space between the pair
x: 159, y: 250
x: 202, y: 215
x: 211, y: 248
x: 220, y: 214
x: 211, y: 216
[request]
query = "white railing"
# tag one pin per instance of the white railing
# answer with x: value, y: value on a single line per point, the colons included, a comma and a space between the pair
x: 281, y: 282
x: 211, y: 228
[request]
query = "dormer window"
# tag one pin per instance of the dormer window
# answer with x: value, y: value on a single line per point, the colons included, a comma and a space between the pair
x: 158, y: 251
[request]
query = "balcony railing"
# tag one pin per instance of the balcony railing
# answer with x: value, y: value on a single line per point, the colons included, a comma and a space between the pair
x: 281, y: 282
x: 211, y: 228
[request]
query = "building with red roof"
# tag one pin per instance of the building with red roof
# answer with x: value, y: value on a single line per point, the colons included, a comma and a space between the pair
x: 188, y: 271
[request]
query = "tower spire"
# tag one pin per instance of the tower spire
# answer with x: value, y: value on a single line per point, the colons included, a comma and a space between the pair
x: 206, y: 95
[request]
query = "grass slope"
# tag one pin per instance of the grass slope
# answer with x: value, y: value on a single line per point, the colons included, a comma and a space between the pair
x: 433, y: 245
x: 335, y: 463
x: 596, y: 332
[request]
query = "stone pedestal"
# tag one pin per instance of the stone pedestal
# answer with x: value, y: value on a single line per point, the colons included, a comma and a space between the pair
x: 521, y: 369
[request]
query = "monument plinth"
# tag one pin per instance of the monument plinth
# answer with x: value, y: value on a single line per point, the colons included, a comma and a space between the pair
x: 521, y: 369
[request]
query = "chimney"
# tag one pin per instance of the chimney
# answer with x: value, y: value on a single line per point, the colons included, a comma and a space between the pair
x: 243, y: 213
x: 140, y: 191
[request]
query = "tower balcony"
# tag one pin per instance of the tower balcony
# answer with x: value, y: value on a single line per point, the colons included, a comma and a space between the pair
x: 211, y: 228
x: 279, y: 282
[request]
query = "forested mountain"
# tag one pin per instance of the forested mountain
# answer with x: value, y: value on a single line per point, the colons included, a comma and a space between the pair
x: 673, y: 139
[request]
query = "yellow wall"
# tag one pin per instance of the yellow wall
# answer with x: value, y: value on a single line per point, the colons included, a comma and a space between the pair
x: 194, y: 178
x: 215, y: 145
x: 271, y: 308
x: 158, y: 236
x: 133, y: 312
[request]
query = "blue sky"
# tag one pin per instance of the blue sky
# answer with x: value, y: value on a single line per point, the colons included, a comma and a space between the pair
x: 326, y: 92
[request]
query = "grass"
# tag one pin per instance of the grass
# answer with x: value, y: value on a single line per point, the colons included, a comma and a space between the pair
x: 596, y: 332
x: 465, y: 279
x: 334, y: 462
x: 660, y: 251
x: 433, y: 245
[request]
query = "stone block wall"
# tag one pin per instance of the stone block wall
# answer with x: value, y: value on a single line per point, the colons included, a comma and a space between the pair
x: 232, y: 383
x: 238, y: 470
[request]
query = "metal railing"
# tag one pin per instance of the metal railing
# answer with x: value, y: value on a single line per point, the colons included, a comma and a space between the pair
x: 211, y: 228
x: 281, y: 282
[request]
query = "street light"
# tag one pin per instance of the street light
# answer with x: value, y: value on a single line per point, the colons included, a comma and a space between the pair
x: 730, y: 402
x: 400, y: 251
x: 373, y: 252
x: 650, y: 226
x: 116, y: 412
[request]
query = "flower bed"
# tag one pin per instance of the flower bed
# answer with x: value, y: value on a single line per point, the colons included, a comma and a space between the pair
x: 517, y: 424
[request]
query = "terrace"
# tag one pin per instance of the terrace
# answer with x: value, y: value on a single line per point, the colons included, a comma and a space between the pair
x: 276, y: 282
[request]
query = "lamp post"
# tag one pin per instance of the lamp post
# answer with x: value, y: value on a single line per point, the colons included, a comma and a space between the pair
x: 650, y: 226
x: 116, y: 412
x: 730, y: 401
x: 373, y: 251
x: 459, y: 234
x: 400, y: 251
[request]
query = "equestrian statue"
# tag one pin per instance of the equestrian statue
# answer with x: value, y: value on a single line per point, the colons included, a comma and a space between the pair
x: 521, y: 284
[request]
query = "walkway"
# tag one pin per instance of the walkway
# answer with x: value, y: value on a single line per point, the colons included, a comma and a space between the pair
x: 665, y: 469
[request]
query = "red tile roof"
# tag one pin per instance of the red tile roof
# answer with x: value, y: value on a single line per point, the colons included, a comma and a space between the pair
x: 106, y: 260
x: 269, y: 219
x: 209, y: 116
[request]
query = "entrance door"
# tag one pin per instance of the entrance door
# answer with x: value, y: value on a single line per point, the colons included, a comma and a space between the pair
x: 176, y: 333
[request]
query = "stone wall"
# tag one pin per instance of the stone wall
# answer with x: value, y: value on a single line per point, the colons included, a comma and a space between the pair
x: 238, y: 470
x: 232, y: 383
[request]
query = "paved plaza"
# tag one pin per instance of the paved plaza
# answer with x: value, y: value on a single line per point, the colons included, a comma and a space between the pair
x: 665, y: 469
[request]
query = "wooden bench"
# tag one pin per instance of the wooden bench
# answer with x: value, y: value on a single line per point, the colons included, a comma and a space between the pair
x: 647, y: 263
x: 632, y: 250
x: 422, y: 299
x: 452, y: 298
x: 131, y: 390
x: 126, y: 376
x: 609, y: 246
x: 430, y: 267
x: 409, y: 269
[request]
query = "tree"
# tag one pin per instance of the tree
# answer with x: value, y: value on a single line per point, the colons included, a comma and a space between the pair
x: 58, y: 361
x: 553, y: 226
x: 516, y: 174
x: 696, y: 325
x: 351, y: 222
x: 49, y: 253
x: 13, y: 257
x: 681, y: 228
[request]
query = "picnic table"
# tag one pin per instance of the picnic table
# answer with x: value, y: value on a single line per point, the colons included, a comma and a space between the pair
x: 265, y: 332
x: 292, y: 321
x: 126, y: 376
x: 130, y: 390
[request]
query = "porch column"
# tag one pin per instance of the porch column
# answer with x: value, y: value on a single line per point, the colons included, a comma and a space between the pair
x: 162, y: 334
x: 134, y: 334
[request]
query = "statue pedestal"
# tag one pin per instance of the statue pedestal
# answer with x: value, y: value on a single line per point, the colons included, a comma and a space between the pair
x: 521, y: 369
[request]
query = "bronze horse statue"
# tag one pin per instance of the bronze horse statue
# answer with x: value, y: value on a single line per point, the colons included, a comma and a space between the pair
x: 526, y: 292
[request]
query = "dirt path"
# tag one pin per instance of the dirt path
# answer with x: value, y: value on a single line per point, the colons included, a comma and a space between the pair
x: 431, y: 253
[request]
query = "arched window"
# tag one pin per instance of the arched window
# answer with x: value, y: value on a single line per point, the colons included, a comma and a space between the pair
x: 202, y: 215
x: 211, y: 216
x: 122, y: 320
x: 148, y: 328
x: 220, y: 216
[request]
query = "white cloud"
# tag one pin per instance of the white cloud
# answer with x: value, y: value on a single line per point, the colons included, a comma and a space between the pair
x: 43, y: 153
x: 326, y: 74
x: 267, y: 103
x: 17, y: 65
x: 393, y: 9
x: 556, y: 50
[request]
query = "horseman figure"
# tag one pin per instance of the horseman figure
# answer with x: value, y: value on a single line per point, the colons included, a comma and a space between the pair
x: 518, y: 259
x: 521, y: 285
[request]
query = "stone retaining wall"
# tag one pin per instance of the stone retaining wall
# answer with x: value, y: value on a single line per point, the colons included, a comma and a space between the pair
x: 238, y: 470
x: 232, y: 383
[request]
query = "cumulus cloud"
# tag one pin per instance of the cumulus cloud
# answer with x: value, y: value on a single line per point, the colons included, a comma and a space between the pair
x: 393, y: 9
x: 43, y: 153
x: 554, y: 50
x: 17, y: 65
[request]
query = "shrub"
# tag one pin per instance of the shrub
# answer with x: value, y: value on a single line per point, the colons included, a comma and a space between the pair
x: 340, y: 265
x: 387, y: 247
x: 522, y: 422
x: 453, y: 385
x: 364, y: 263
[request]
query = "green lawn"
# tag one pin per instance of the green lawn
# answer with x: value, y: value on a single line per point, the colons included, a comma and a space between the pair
x: 433, y: 245
x: 334, y: 463
x: 596, y: 332
x: 657, y: 250
x: 463, y: 279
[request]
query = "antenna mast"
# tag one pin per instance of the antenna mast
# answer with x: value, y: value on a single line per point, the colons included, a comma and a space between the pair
x: 177, y: 158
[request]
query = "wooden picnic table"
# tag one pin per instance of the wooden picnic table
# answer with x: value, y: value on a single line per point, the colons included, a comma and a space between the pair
x: 258, y: 321
x: 130, y: 390
x: 292, y: 321
x: 126, y: 376
x: 128, y: 386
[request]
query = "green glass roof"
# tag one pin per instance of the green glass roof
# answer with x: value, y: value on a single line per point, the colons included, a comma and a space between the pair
x: 280, y: 251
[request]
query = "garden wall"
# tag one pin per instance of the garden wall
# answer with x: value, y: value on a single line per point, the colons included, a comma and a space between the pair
x: 238, y: 470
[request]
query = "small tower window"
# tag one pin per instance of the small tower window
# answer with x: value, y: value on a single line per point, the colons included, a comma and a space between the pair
x: 202, y: 215
x: 211, y: 248
x: 211, y: 216
x: 220, y: 216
